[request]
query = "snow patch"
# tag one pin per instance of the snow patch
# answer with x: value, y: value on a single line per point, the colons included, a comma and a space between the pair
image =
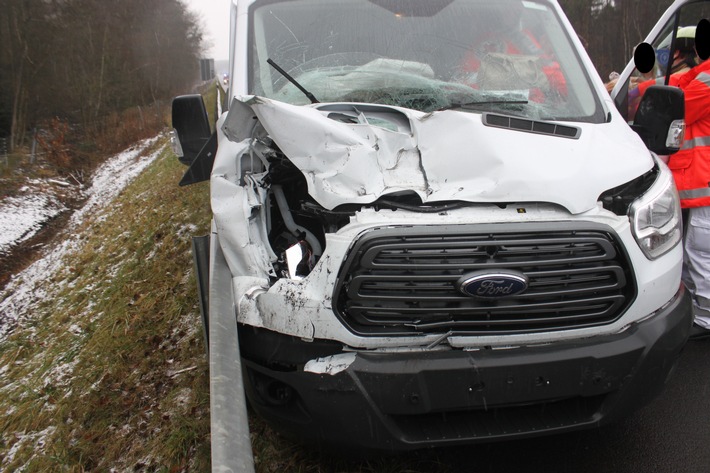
x: 22, y: 216
x: 39, y: 439
x: 30, y: 211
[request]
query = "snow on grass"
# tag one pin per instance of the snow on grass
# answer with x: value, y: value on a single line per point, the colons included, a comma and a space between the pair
x: 25, y: 214
x: 114, y: 175
x: 38, y: 439
x: 22, y: 216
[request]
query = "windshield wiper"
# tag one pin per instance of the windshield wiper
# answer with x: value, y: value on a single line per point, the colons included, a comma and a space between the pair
x: 454, y: 106
x: 310, y: 96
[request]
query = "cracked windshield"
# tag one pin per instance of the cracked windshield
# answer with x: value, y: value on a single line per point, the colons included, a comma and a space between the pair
x: 508, y: 57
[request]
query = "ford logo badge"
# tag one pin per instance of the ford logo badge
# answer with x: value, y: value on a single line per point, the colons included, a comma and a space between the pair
x: 492, y: 285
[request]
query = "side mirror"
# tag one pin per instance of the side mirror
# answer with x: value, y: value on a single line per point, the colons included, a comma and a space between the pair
x: 659, y: 119
x: 191, y: 125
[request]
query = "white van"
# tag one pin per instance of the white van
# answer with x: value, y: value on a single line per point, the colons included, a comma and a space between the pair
x: 432, y: 226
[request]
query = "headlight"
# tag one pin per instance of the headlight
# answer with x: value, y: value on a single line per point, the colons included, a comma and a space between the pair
x: 655, y: 217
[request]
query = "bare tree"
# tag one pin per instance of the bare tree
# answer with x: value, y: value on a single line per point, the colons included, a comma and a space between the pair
x: 612, y: 28
x: 21, y: 34
x: 84, y: 59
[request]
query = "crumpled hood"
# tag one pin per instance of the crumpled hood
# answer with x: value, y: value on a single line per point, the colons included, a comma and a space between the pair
x: 354, y: 154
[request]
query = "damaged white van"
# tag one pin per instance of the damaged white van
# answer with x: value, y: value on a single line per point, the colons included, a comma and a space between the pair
x: 431, y: 225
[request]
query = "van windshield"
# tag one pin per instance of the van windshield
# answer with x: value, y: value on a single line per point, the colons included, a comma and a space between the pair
x: 505, y: 56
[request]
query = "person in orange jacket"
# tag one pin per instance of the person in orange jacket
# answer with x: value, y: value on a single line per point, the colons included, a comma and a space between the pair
x: 691, y: 171
x: 683, y: 59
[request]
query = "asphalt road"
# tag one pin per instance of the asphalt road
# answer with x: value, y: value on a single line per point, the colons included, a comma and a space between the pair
x: 671, y: 434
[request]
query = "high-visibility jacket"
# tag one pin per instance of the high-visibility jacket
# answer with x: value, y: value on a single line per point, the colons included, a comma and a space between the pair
x: 691, y: 165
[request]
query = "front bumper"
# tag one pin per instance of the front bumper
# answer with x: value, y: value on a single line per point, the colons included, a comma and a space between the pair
x: 403, y: 401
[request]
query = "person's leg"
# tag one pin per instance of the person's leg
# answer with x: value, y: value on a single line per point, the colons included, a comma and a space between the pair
x: 696, y: 267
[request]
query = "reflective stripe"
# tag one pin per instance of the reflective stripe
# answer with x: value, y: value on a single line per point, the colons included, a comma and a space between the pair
x: 696, y: 142
x: 695, y: 193
x: 704, y: 77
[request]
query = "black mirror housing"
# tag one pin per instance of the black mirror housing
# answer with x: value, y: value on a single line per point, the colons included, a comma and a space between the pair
x: 659, y: 119
x: 192, y: 125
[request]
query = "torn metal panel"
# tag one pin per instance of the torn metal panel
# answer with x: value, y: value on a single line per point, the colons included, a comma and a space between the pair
x: 239, y: 215
x: 301, y: 308
x: 447, y: 155
x: 330, y: 365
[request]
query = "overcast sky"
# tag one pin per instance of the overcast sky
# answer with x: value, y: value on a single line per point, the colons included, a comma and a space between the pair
x: 215, y: 17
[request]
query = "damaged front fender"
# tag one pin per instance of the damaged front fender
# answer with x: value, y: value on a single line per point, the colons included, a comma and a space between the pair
x: 240, y: 217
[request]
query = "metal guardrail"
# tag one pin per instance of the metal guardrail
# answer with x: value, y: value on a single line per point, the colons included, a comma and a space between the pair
x: 231, y: 444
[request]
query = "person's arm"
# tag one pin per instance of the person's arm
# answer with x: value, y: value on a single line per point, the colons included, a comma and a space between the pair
x: 697, y: 99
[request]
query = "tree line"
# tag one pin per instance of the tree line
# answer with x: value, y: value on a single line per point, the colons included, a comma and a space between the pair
x: 610, y: 29
x: 82, y: 60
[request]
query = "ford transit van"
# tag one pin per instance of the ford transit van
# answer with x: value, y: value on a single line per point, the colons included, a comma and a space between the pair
x: 432, y: 225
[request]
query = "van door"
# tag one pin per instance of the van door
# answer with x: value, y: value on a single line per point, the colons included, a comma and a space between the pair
x: 666, y: 37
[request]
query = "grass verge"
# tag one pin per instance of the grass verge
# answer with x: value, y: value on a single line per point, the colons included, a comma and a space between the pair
x: 110, y: 371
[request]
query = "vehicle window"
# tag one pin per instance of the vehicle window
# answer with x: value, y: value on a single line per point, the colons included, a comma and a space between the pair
x: 679, y: 56
x: 507, y: 56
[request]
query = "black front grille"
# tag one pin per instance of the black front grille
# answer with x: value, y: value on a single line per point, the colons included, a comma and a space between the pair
x: 399, y: 281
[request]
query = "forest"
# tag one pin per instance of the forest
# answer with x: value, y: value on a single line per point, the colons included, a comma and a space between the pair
x: 610, y: 29
x: 73, y: 66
